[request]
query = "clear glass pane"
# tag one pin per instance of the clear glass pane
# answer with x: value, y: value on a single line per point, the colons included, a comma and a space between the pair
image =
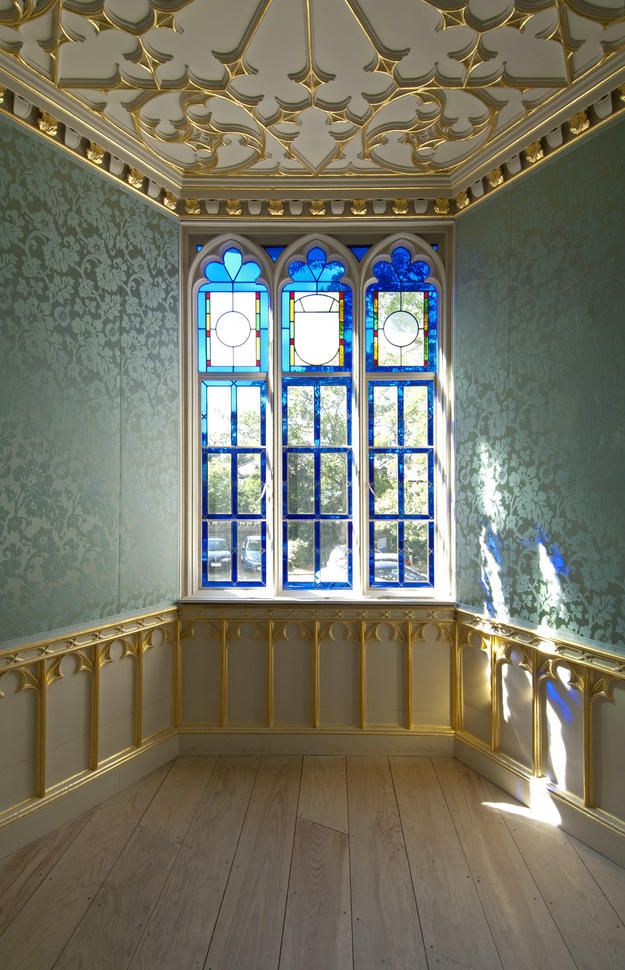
x: 248, y: 415
x: 216, y: 552
x: 416, y: 484
x: 334, y: 550
x: 333, y: 484
x: 233, y: 329
x: 301, y: 483
x: 416, y: 416
x: 400, y: 329
x: 385, y: 417
x: 416, y: 543
x: 333, y: 415
x: 315, y: 328
x: 218, y: 414
x: 385, y: 561
x: 249, y: 486
x: 300, y: 552
x: 301, y: 415
x: 385, y: 484
x: 250, y: 549
x: 218, y: 484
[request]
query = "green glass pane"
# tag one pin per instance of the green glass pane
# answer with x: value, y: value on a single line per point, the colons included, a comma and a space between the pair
x: 248, y: 415
x: 333, y: 549
x: 218, y: 415
x: 301, y: 552
x: 385, y: 481
x: 333, y: 415
x: 248, y: 484
x: 416, y: 484
x: 217, y: 552
x: 333, y: 485
x: 385, y: 569
x: 301, y: 415
x: 218, y: 484
x: 385, y: 418
x: 416, y: 543
x: 301, y: 483
x: 416, y: 416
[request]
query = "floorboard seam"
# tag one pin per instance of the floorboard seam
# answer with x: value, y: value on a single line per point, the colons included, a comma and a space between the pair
x: 475, y: 885
x: 288, y: 885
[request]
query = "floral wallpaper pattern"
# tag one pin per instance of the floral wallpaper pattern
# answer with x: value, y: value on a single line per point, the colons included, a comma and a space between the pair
x: 88, y: 394
x: 540, y: 405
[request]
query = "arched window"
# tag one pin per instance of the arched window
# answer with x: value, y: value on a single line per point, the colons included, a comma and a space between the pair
x: 317, y: 429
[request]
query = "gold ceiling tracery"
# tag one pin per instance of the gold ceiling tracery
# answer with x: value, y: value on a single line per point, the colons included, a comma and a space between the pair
x: 278, y: 90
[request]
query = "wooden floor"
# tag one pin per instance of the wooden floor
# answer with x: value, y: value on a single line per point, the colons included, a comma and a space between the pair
x: 284, y: 863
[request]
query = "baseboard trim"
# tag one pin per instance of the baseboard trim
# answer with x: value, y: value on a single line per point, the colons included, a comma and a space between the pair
x: 315, y: 743
x: 38, y: 817
x: 589, y: 825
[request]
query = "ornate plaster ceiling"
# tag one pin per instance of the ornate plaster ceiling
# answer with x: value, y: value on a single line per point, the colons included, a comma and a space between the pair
x: 410, y: 92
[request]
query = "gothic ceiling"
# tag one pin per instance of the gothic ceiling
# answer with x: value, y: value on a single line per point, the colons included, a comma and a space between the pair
x: 406, y: 91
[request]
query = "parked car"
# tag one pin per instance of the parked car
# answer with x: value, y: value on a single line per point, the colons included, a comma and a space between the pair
x: 251, y: 554
x: 217, y: 553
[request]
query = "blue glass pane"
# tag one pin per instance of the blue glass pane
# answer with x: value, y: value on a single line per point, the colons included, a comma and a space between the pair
x: 316, y: 316
x: 234, y: 478
x: 401, y: 311
x: 317, y: 483
x: 232, y: 316
x: 401, y: 483
x: 274, y: 251
x: 360, y: 251
x: 199, y: 247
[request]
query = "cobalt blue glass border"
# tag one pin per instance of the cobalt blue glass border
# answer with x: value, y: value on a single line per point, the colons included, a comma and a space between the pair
x: 400, y: 450
x: 317, y: 450
x: 234, y: 516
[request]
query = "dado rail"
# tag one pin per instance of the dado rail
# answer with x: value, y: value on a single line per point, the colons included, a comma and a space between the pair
x: 83, y: 714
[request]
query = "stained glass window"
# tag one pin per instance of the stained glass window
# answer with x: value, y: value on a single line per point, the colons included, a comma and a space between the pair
x: 282, y: 498
x: 401, y: 316
x: 232, y: 314
x: 317, y: 425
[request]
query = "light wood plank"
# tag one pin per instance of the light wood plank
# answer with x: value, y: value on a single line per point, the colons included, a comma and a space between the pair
x: 112, y: 926
x: 590, y: 927
x: 608, y: 875
x: 524, y: 932
x: 385, y: 922
x: 323, y: 793
x: 39, y: 932
x: 23, y: 871
x: 454, y: 927
x: 318, y: 927
x: 182, y: 923
x: 169, y: 814
x: 249, y: 928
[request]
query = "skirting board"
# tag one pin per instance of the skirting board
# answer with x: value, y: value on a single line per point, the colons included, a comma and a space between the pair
x: 314, y: 742
x: 88, y: 792
x: 582, y: 823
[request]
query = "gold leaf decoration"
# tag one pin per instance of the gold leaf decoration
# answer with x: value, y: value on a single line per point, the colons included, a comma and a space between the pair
x: 442, y: 207
x: 95, y: 154
x: 233, y: 207
x: 192, y: 207
x: 462, y: 200
x: 48, y: 124
x: 359, y: 207
x: 170, y: 201
x: 400, y: 207
x: 495, y: 178
x: 317, y: 207
x: 135, y: 178
x: 534, y: 152
x: 579, y: 123
x: 276, y: 207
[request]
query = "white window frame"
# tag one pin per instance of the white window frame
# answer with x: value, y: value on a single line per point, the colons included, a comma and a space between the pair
x: 274, y: 275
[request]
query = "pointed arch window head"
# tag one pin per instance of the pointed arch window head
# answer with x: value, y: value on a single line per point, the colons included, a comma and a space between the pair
x: 401, y: 315
x: 316, y: 316
x: 233, y: 316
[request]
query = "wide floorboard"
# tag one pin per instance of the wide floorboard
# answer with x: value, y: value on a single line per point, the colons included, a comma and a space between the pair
x: 316, y: 863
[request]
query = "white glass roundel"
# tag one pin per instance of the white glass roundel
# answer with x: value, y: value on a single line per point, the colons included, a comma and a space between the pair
x: 233, y: 328
x: 401, y: 328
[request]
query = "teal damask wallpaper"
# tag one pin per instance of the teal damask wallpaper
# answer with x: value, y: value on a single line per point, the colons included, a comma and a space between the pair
x: 88, y: 394
x: 540, y: 399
